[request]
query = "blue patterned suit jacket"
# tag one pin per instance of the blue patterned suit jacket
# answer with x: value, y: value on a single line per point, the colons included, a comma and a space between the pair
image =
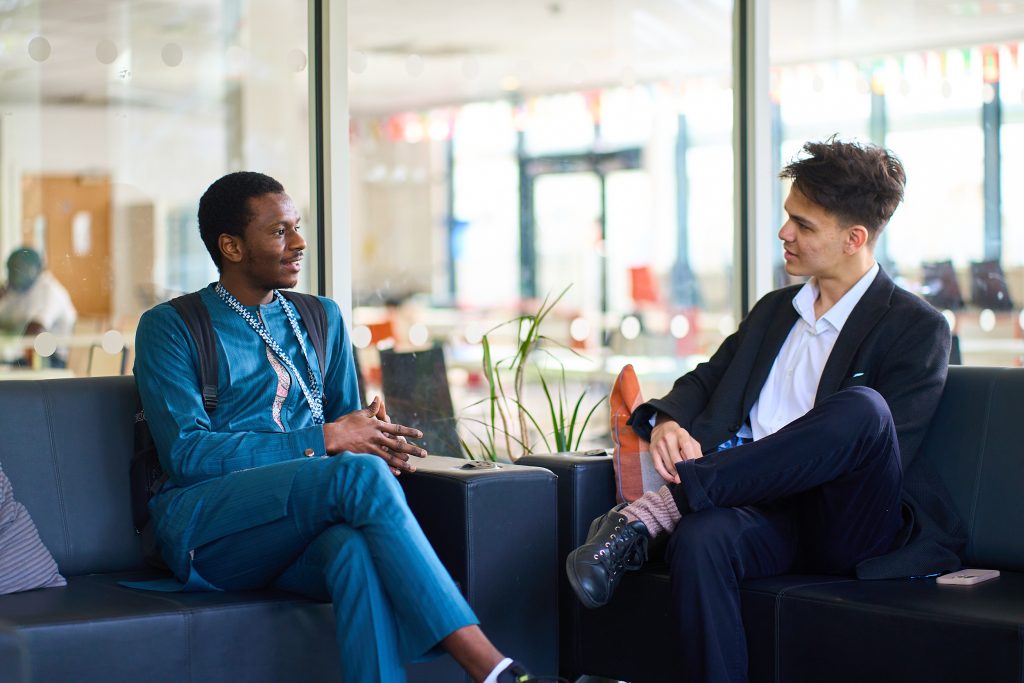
x: 231, y: 469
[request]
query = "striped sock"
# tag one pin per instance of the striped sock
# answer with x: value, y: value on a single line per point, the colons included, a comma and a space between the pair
x: 656, y: 509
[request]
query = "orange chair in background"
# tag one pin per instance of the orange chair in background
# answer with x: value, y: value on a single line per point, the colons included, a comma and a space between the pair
x: 643, y: 286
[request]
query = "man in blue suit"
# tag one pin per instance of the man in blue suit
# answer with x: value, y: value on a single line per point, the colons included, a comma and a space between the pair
x: 793, y: 447
x: 290, y: 482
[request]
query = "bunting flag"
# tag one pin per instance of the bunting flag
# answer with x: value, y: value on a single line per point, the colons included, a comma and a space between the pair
x: 990, y: 65
x: 951, y: 69
x: 593, y: 102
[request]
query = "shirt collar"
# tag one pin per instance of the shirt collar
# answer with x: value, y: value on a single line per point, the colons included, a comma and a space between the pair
x: 836, y: 316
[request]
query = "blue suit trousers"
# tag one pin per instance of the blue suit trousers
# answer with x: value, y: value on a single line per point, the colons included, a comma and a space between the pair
x: 819, y: 495
x: 350, y: 538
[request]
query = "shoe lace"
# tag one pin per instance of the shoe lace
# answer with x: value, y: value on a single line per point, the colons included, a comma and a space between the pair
x: 625, y: 549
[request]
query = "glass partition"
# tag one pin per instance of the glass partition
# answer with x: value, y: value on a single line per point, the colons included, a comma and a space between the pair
x: 114, y: 118
x: 940, y: 84
x: 510, y: 157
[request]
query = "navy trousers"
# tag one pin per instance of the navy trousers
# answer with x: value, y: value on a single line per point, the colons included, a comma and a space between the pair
x: 819, y: 495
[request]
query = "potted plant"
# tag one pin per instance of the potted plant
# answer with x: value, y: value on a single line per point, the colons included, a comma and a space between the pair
x: 507, y: 420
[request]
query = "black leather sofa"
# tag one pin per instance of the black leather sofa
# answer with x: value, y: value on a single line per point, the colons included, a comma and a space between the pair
x: 13, y: 658
x: 812, y: 629
x: 66, y: 445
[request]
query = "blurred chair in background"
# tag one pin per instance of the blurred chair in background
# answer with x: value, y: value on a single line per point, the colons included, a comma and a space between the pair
x: 416, y: 394
x: 940, y: 286
x: 103, y: 364
x: 988, y: 286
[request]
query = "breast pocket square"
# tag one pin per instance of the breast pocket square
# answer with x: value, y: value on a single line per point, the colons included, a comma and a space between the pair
x: 857, y: 379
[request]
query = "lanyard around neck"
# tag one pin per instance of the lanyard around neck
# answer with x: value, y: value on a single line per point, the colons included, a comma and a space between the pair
x: 313, y: 393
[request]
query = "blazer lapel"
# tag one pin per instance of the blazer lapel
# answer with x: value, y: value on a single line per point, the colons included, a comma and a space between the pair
x: 775, y: 336
x: 865, y: 315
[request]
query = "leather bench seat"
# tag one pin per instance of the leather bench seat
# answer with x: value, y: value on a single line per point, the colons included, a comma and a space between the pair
x: 124, y: 634
x: 912, y: 630
x: 812, y: 629
x: 798, y: 627
x: 66, y: 448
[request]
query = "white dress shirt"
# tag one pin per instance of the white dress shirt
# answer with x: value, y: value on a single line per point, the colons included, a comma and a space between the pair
x: 789, y: 391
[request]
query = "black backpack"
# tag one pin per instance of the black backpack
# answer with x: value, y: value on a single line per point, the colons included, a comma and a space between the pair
x: 146, y: 474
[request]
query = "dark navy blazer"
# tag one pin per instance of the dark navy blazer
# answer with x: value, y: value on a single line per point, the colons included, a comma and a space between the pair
x: 893, y: 342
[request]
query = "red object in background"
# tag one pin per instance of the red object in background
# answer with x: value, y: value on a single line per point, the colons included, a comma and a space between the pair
x: 690, y: 344
x: 643, y: 288
x: 990, y: 65
x: 381, y: 331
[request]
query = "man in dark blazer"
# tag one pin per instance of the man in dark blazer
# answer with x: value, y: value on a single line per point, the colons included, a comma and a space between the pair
x: 793, y: 448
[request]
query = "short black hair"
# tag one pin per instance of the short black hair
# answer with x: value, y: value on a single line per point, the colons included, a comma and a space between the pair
x: 858, y: 184
x: 224, y: 207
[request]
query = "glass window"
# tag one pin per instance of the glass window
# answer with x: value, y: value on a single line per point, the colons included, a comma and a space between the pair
x: 523, y: 154
x: 946, y: 97
x: 114, y: 118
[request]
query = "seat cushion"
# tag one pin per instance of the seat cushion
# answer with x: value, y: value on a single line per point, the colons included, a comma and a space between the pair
x: 633, y: 639
x: 807, y: 629
x: 902, y: 630
x: 94, y: 629
x: 13, y: 658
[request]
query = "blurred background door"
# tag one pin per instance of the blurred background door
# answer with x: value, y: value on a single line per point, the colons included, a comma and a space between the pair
x: 67, y: 219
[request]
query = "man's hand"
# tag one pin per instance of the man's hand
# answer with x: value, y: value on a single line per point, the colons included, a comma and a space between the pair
x: 370, y: 431
x: 670, y: 444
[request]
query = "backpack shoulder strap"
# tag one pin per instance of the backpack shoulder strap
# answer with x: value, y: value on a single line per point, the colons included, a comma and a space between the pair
x: 197, y: 319
x: 313, y: 315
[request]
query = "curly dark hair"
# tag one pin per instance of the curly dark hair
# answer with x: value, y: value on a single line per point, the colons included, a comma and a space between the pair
x: 858, y: 184
x: 224, y: 207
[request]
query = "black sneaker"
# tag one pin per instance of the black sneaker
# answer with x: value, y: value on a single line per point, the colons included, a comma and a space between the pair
x: 614, y: 546
x: 517, y: 673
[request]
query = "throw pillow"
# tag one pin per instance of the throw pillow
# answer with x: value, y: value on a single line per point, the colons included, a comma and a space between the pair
x: 634, y: 469
x: 25, y: 563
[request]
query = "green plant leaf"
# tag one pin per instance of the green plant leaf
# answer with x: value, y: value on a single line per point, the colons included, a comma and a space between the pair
x: 489, y: 371
x: 505, y: 323
x: 555, y: 342
x: 543, y: 312
x: 492, y: 451
x: 500, y: 404
x: 562, y: 427
x: 558, y: 434
x: 589, y: 415
x: 496, y: 429
x: 572, y: 420
x: 528, y: 414
x: 466, y: 449
x: 485, y: 451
